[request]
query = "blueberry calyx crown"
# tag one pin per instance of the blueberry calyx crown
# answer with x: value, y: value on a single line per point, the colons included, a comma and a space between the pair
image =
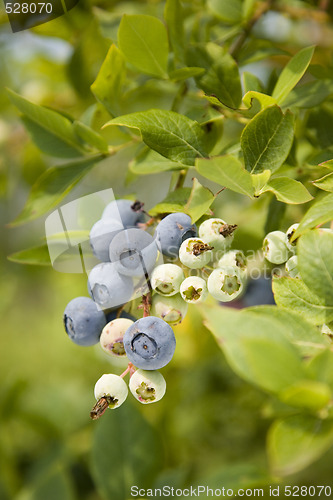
x: 144, y: 345
x: 227, y: 229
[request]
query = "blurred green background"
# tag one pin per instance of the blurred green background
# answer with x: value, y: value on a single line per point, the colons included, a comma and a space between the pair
x: 211, y: 427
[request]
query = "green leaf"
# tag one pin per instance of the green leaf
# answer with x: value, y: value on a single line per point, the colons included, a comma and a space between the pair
x: 52, y: 484
x: 52, y: 132
x: 172, y: 135
x: 259, y: 181
x: 36, y: 256
x: 292, y: 73
x: 230, y: 12
x: 308, y: 394
x: 223, y: 82
x: 52, y: 186
x: 319, y: 213
x: 255, y: 347
x: 174, y: 17
x: 293, y: 295
x: 263, y: 99
x: 309, y: 95
x: 321, y: 367
x: 305, y: 336
x: 144, y: 42
x: 110, y: 79
x: 150, y: 162
x: 89, y: 136
x: 226, y: 171
x: 315, y: 261
x: 288, y: 190
x: 297, y: 441
x: 174, y: 202
x: 325, y: 183
x: 184, y: 73
x: 267, y: 139
x: 251, y: 83
x: 125, y: 451
x: 199, y: 201
x: 275, y: 214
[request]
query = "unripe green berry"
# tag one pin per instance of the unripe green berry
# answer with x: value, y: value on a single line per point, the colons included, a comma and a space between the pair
x: 225, y: 284
x: 147, y: 386
x: 292, y: 267
x: 289, y: 234
x: 111, y: 338
x: 195, y: 253
x: 171, y: 309
x: 194, y: 289
x: 113, y: 388
x: 275, y: 248
x: 166, y: 279
x: 217, y: 233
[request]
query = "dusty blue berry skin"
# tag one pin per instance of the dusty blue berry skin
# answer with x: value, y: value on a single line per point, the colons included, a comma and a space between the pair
x: 101, y: 235
x: 259, y: 292
x: 133, y: 252
x: 107, y: 287
x: 172, y: 231
x: 149, y: 343
x: 128, y: 216
x: 84, y: 321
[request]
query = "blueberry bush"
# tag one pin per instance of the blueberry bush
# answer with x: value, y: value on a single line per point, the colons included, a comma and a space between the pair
x: 211, y: 121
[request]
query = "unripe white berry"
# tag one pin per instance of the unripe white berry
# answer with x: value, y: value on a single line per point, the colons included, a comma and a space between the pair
x: 327, y: 329
x: 289, y: 234
x: 113, y: 388
x: 166, y: 279
x: 217, y: 233
x: 292, y: 267
x: 195, y: 253
x: 225, y: 284
x: 147, y: 386
x: 234, y: 258
x: 194, y: 289
x: 171, y: 309
x: 111, y: 339
x: 275, y: 248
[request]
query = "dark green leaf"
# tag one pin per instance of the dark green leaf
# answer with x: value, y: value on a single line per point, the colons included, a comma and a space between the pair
x: 325, y: 183
x: 226, y: 171
x: 267, y: 140
x: 144, y: 42
x: 309, y: 95
x: 52, y: 187
x: 276, y: 211
x: 126, y: 451
x: 172, y: 135
x: 230, y: 12
x: 184, y: 73
x: 174, y: 17
x: 89, y: 136
x: 297, y: 441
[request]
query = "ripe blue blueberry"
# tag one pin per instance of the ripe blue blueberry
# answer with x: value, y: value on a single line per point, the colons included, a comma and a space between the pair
x: 84, y: 321
x: 147, y: 386
x: 133, y: 252
x: 172, y: 231
x: 107, y: 287
x: 113, y: 314
x: 258, y: 292
x: 130, y: 212
x: 171, y: 309
x: 101, y: 235
x: 166, y: 279
x: 149, y: 343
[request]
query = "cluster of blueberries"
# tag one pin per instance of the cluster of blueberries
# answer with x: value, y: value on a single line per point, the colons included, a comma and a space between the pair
x: 196, y: 262
x: 279, y: 249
